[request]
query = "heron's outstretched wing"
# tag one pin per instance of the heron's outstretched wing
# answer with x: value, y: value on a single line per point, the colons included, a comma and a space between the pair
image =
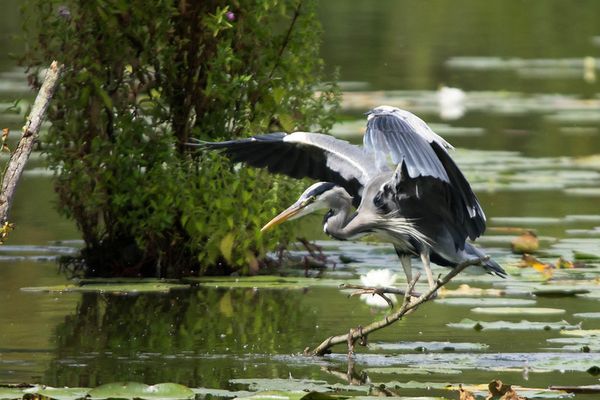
x: 421, y: 153
x: 303, y: 154
x: 401, y: 135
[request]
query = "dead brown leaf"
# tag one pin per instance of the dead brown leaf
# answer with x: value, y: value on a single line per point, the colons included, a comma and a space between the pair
x: 497, y: 388
x: 512, y: 395
x: 529, y: 261
x: 527, y: 242
x: 465, y: 394
x: 501, y: 391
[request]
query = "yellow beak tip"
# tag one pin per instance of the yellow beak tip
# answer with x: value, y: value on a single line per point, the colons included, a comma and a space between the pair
x: 281, y: 218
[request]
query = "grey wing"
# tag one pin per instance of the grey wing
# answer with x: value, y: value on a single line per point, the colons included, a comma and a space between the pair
x: 464, y: 204
x: 439, y: 209
x: 404, y: 137
x: 303, y: 154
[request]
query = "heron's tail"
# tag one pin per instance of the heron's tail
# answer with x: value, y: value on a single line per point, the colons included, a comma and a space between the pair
x: 491, y: 266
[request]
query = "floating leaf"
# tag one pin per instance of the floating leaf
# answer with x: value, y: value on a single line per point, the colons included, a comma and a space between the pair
x: 578, y: 389
x: 167, y: 391
x: 118, y: 390
x: 522, y: 325
x: 517, y: 310
x: 492, y: 301
x: 465, y: 290
x: 135, y: 390
x: 581, y: 332
x: 412, y: 371
x: 263, y: 282
x: 291, y: 395
x: 527, y: 242
x: 580, y: 255
x: 430, y: 346
x: 288, y: 385
x: 8, y: 393
x: 558, y: 291
x: 117, y: 288
x: 591, y: 315
x: 58, y: 393
x: 476, y: 389
x: 528, y: 261
x: 205, y: 392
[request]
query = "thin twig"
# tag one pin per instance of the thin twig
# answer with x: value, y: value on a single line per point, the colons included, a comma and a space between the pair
x: 407, y: 307
x: 286, y: 40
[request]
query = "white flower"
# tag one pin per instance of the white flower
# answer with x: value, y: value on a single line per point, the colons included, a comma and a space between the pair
x: 378, y: 278
x: 451, y: 102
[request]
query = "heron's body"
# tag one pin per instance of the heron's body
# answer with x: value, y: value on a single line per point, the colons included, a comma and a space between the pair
x: 424, y: 205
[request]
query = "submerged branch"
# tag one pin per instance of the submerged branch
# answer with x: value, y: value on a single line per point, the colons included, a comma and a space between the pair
x: 406, y: 307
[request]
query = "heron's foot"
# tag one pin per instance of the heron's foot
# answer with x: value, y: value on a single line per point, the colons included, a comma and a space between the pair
x: 433, y: 295
x: 375, y: 292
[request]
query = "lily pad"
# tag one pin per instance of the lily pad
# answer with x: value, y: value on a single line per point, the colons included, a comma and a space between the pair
x: 590, y: 315
x: 398, y: 398
x: 10, y: 393
x: 526, y: 221
x: 290, y: 395
x: 263, y: 282
x: 287, y: 385
x: 517, y: 310
x: 465, y: 290
x: 221, y: 393
x: 580, y: 255
x: 117, y: 288
x: 58, y: 393
x: 558, y: 291
x: 486, y: 301
x: 480, y: 389
x: 135, y: 390
x: 523, y: 325
x: 581, y: 332
x: 430, y: 346
x: 412, y: 371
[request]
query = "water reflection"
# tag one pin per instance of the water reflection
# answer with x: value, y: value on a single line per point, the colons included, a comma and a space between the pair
x: 175, y: 337
x: 525, y: 100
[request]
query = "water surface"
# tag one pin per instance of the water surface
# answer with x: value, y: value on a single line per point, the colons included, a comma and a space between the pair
x: 527, y: 139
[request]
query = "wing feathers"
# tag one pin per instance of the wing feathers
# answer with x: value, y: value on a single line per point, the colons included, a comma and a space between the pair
x: 303, y: 154
x: 389, y: 134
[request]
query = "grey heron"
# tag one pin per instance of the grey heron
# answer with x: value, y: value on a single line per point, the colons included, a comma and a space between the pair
x: 403, y: 183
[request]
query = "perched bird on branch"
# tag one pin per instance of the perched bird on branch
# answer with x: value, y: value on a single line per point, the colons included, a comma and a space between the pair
x: 406, y: 188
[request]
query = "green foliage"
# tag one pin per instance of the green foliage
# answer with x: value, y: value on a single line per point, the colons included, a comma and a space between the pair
x: 141, y: 79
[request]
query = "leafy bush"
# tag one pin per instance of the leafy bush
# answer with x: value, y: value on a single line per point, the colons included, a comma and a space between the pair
x: 141, y: 79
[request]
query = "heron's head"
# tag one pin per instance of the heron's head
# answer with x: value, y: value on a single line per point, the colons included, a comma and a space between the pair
x: 321, y: 195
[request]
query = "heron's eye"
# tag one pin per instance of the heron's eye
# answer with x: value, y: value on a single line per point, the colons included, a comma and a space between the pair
x: 309, y: 200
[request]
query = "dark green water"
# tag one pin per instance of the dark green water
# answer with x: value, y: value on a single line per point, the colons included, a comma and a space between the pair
x: 531, y: 94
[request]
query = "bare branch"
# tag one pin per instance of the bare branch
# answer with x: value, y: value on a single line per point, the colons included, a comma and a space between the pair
x: 19, y: 157
x: 375, y: 290
x: 406, y: 307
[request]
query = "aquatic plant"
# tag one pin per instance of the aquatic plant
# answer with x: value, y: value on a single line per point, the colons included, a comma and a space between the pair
x: 140, y: 80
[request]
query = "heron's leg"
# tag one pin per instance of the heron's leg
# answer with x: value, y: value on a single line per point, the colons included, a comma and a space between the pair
x: 427, y: 266
x: 407, y: 267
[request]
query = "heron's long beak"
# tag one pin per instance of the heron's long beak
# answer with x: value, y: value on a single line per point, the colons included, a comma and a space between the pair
x: 294, y: 209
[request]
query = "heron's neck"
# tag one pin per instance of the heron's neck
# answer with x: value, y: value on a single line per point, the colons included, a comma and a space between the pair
x: 337, y: 218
